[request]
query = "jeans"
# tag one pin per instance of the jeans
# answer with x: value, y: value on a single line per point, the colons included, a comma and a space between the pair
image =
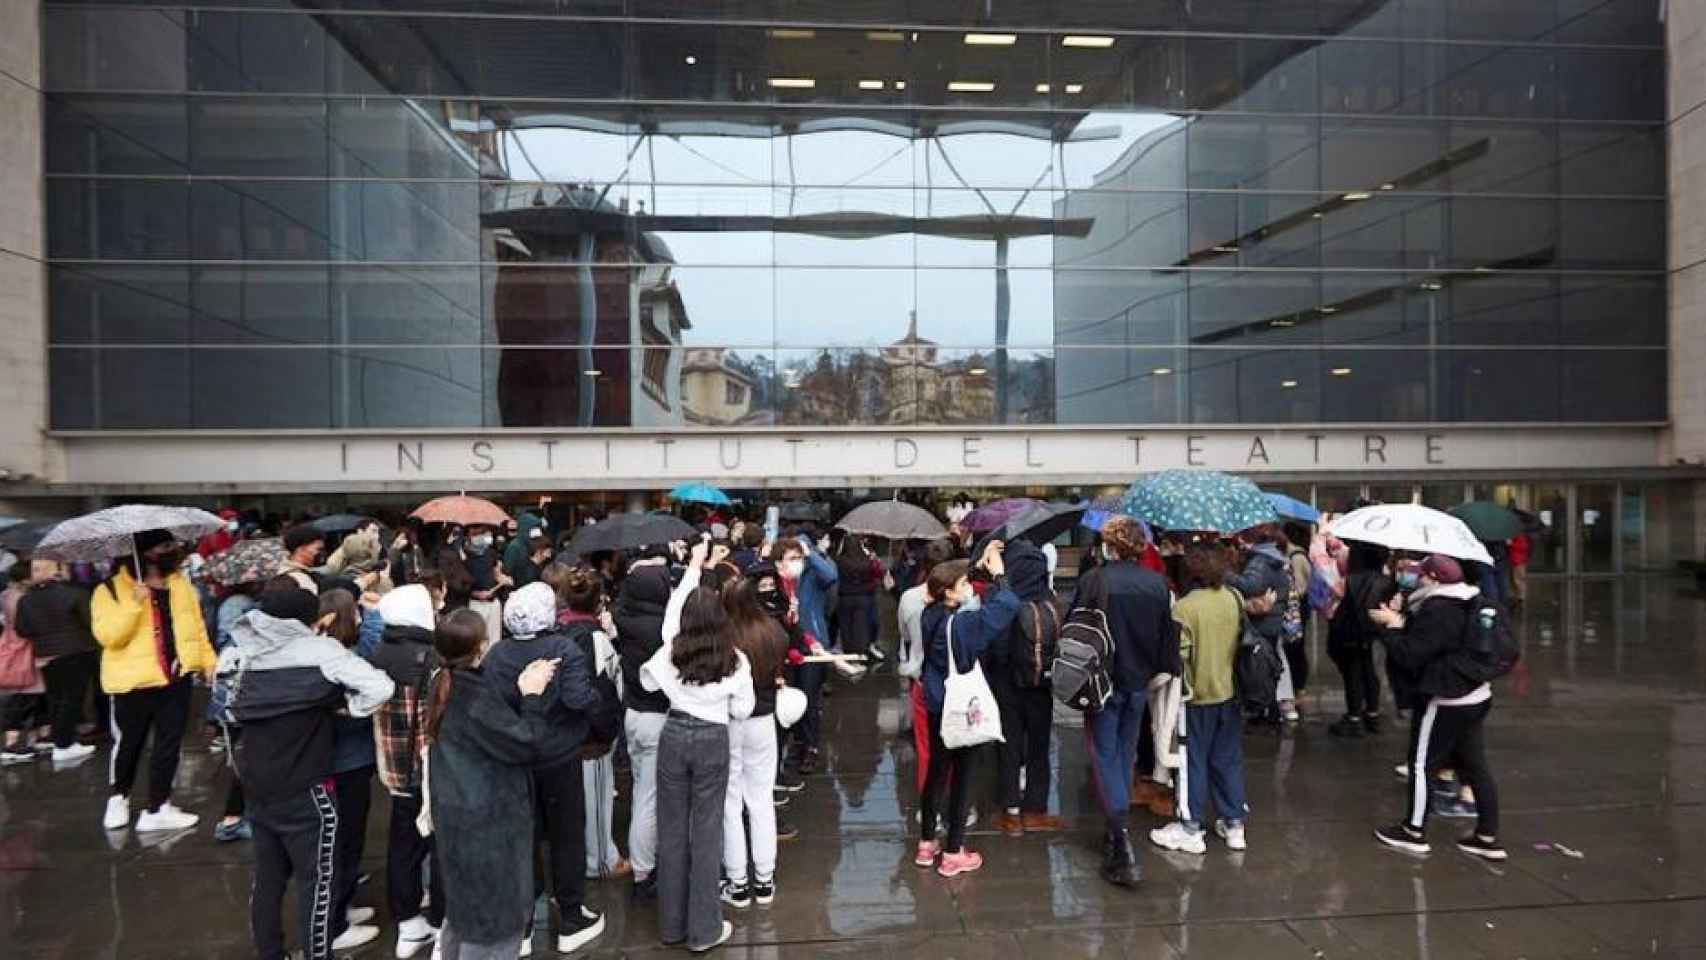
x: 644, y: 731
x: 1027, y: 718
x: 354, y: 796
x: 68, y: 679
x: 559, y: 825
x: 294, y: 835
x: 1454, y: 736
x: 693, y: 783
x: 164, y: 710
x: 1112, y: 735
x: 752, y: 780
x: 1214, y: 763
x: 406, y: 852
x: 949, y: 769
x: 451, y: 946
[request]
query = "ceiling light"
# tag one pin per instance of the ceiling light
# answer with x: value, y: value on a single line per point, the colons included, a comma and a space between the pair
x: 1225, y: 248
x: 1358, y: 195
x: 885, y: 36
x: 793, y: 83
x: 1095, y: 43
x: 1432, y: 285
x: 1282, y: 322
x: 970, y: 86
x: 1287, y: 384
x: 1042, y: 88
x: 1162, y: 371
x: 900, y: 84
x: 593, y: 373
x: 1388, y: 186
x: 991, y: 39
x: 691, y: 60
x: 1316, y: 215
x: 792, y: 33
x: 870, y: 84
x: 1341, y: 371
x: 1328, y: 309
x: 1075, y: 88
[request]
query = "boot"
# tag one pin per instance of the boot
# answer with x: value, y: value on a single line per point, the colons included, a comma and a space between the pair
x: 1119, y: 860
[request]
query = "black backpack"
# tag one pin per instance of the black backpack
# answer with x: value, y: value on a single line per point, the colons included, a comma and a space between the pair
x: 1080, y: 677
x: 1257, y: 668
x: 1036, y: 643
x: 1490, y: 648
x: 605, y: 722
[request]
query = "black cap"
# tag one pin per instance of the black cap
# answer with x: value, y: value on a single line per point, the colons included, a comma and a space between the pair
x: 300, y: 536
x: 293, y: 604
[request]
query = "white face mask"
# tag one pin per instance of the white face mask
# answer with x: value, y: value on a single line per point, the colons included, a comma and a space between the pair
x: 481, y: 542
x: 823, y: 545
x: 230, y: 526
x: 1107, y: 552
x: 793, y: 568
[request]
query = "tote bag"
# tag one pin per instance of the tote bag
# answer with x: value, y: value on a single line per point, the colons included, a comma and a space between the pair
x: 969, y: 713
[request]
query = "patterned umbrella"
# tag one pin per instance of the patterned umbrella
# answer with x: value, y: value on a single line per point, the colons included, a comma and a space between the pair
x: 992, y: 515
x: 1292, y: 508
x: 462, y: 509
x: 700, y: 493
x: 248, y: 561
x: 1200, y: 500
x: 1414, y: 528
x: 108, y: 533
x: 892, y: 520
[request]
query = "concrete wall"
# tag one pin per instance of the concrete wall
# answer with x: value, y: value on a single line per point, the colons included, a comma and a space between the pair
x: 1685, y: 40
x: 24, y: 450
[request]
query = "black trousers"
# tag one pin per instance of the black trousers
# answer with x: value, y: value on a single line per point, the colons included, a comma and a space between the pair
x: 353, y: 791
x: 163, y: 710
x: 234, y: 788
x: 809, y: 678
x: 68, y: 679
x: 1297, y: 656
x: 1362, y: 681
x: 295, y: 836
x: 559, y: 836
x: 406, y: 852
x: 945, y: 764
x: 1027, y: 717
x: 1442, y: 736
x: 855, y: 611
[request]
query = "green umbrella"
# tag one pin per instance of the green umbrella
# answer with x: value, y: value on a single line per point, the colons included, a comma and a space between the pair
x: 1488, y: 521
x: 1204, y: 500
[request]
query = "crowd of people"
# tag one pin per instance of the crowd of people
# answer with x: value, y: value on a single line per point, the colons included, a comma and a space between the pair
x: 494, y: 689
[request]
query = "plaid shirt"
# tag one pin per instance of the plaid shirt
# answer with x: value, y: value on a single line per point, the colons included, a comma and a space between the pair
x: 399, y: 736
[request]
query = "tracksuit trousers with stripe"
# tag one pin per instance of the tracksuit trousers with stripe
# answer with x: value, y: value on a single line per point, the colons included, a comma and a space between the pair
x: 295, y: 835
x: 1452, y: 737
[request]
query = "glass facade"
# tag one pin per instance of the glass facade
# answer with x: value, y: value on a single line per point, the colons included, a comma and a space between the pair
x: 465, y: 213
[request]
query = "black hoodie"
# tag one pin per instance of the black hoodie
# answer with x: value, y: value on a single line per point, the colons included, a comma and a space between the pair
x: 1027, y: 577
x: 639, y: 632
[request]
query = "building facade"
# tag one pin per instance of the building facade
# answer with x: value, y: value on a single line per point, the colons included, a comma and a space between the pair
x: 1424, y: 245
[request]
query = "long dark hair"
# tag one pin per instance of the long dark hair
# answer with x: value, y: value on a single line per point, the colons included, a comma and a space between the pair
x: 458, y: 640
x: 756, y: 633
x: 704, y: 650
x: 346, y: 618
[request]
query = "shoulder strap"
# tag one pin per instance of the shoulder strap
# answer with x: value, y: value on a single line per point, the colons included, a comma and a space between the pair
x: 952, y: 667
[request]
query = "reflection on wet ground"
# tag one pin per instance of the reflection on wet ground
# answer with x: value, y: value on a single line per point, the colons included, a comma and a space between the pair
x: 1599, y: 742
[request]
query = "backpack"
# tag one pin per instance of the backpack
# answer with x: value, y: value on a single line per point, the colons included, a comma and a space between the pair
x: 604, y: 723
x: 1490, y: 647
x: 1320, y: 589
x: 1257, y: 667
x: 1291, y: 624
x: 1036, y: 643
x: 1080, y: 677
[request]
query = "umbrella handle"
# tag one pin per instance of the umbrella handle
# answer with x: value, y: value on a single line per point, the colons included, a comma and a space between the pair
x: 136, y: 558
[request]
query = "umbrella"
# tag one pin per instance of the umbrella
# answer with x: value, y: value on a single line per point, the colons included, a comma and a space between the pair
x: 800, y: 510
x: 1488, y: 521
x: 109, y: 533
x: 992, y: 515
x: 25, y: 536
x: 700, y: 493
x: 1204, y: 500
x: 625, y: 531
x: 892, y: 520
x: 339, y: 523
x: 462, y: 509
x: 1043, y: 522
x: 1292, y: 508
x: 1413, y: 528
x: 247, y: 561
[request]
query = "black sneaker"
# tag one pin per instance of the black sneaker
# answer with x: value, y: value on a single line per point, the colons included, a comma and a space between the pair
x: 1400, y: 837
x: 808, y: 763
x: 876, y: 654
x: 1479, y: 846
x: 646, y: 889
x: 780, y: 799
x: 18, y: 754
x: 786, y: 830
x: 1350, y: 728
x: 789, y: 782
x: 764, y: 891
x: 578, y: 928
x: 1371, y: 723
x: 737, y: 895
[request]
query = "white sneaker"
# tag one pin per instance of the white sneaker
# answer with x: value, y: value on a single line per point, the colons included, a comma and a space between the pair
x: 1233, y: 834
x: 118, y: 813
x: 413, y: 934
x: 526, y: 947
x: 728, y: 931
x: 73, y: 753
x: 576, y: 934
x: 357, y: 915
x: 167, y: 817
x: 355, y: 935
x: 1174, y: 836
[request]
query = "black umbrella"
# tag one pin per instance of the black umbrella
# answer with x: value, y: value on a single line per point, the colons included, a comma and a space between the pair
x: 625, y: 531
x: 339, y: 523
x: 1043, y: 523
x: 24, y: 536
x: 800, y: 510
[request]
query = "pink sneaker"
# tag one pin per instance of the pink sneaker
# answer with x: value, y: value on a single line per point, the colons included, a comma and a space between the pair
x: 954, y: 864
x: 926, y: 855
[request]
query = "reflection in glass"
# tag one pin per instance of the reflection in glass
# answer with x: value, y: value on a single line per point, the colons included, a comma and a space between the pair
x: 116, y: 135
x: 119, y: 304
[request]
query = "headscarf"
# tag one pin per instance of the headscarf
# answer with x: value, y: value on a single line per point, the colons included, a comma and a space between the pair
x: 531, y: 610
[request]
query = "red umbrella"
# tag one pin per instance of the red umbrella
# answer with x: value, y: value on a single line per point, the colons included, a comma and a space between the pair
x: 462, y: 509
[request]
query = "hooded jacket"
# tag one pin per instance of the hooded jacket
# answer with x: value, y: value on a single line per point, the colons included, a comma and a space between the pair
x: 973, y: 631
x: 1027, y: 577
x: 55, y: 616
x: 1140, y: 619
x: 132, y: 655
x: 407, y: 656
x: 282, y: 682
x: 1265, y: 569
x: 1428, y: 652
x: 567, y: 701
x: 516, y: 551
x: 640, y: 607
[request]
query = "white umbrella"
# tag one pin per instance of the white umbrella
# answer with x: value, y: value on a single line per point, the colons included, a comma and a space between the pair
x: 1413, y: 528
x: 110, y: 533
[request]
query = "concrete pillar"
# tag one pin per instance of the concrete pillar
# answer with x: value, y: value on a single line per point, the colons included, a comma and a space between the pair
x: 24, y: 450
x: 1685, y: 40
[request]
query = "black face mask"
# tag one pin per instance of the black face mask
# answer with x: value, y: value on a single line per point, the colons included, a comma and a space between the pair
x: 774, y: 602
x: 167, y: 562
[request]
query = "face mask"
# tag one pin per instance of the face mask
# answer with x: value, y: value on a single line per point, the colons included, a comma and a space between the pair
x: 481, y: 543
x: 823, y: 545
x: 774, y: 602
x: 230, y: 526
x: 793, y: 568
x: 1408, y: 580
x: 167, y: 562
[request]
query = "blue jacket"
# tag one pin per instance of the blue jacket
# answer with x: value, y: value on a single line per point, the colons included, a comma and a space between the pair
x: 568, y: 700
x: 974, y: 630
x: 1265, y: 569
x: 813, y: 592
x: 352, y: 737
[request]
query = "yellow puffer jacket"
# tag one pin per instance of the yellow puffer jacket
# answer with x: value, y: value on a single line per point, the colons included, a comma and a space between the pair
x: 131, y: 658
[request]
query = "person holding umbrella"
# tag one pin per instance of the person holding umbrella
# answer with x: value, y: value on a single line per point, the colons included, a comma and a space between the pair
x: 147, y: 619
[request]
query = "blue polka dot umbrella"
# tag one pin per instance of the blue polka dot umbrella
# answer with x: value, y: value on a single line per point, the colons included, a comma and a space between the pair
x: 1198, y: 500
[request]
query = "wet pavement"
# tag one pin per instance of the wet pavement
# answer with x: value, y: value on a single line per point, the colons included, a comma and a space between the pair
x: 1599, y: 744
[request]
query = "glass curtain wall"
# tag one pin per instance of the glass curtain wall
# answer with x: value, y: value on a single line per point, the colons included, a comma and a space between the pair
x: 384, y: 213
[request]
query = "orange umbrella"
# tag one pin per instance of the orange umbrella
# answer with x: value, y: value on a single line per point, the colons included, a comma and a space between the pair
x: 462, y: 509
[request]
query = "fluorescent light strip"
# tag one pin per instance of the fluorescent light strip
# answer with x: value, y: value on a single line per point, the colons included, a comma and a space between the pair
x: 885, y: 36
x: 1088, y: 42
x: 1042, y: 88
x: 871, y: 84
x: 991, y: 39
x: 971, y: 86
x: 791, y: 33
x: 1075, y: 88
x: 1358, y: 195
x: 793, y: 83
